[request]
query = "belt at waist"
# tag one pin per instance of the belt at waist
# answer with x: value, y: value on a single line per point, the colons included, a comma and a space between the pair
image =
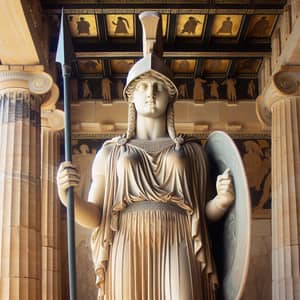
x: 153, y: 205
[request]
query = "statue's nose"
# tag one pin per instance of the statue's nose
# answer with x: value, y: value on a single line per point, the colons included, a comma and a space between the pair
x: 150, y: 91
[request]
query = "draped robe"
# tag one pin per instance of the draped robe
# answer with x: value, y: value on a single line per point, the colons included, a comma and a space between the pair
x: 152, y: 242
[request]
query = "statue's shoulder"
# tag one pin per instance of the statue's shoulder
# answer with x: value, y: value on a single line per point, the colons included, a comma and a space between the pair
x: 103, y: 155
x: 108, y: 147
x: 109, y: 144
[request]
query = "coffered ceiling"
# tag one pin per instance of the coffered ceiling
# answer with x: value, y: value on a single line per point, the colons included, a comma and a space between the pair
x: 213, y: 39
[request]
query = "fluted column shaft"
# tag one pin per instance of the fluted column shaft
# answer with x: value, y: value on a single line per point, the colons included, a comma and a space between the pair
x: 286, y: 198
x: 51, y: 264
x: 279, y: 107
x: 22, y: 91
x: 20, y: 254
x: 52, y: 121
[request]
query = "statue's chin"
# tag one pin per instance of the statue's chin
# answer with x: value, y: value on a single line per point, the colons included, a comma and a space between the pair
x: 151, y: 111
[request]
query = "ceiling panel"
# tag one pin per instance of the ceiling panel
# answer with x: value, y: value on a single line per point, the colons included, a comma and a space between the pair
x: 90, y: 66
x: 83, y: 25
x: 244, y: 66
x: 216, y: 66
x: 226, y: 26
x: 261, y: 26
x: 183, y: 66
x: 121, y: 66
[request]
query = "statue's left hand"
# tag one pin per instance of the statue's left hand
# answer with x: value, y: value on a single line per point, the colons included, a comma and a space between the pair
x: 225, y: 193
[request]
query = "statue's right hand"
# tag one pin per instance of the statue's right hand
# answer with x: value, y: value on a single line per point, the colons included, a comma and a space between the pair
x: 67, y: 176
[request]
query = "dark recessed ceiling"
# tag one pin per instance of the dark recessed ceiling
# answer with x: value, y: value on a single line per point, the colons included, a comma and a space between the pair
x: 208, y: 39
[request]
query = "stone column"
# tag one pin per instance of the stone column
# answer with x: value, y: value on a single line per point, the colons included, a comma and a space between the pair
x: 279, y: 107
x: 22, y: 90
x: 52, y: 123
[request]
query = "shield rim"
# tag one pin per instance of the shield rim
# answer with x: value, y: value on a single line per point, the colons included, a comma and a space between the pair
x: 224, y: 136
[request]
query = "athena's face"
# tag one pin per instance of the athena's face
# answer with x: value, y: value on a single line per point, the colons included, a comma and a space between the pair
x: 151, y: 97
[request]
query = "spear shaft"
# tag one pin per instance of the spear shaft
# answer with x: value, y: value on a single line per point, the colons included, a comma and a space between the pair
x: 70, y: 192
x: 64, y: 56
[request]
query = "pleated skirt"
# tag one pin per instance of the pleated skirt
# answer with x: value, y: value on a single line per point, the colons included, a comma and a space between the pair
x: 152, y: 255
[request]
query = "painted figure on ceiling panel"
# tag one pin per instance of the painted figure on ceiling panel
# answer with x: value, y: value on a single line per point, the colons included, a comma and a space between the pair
x: 83, y: 26
x: 190, y: 25
x: 261, y: 27
x: 226, y: 26
x: 122, y: 25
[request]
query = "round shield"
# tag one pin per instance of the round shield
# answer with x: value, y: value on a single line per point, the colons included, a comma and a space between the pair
x: 231, y: 236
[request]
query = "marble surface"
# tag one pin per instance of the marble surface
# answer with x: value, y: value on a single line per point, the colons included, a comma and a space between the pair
x: 258, y: 284
x: 259, y: 281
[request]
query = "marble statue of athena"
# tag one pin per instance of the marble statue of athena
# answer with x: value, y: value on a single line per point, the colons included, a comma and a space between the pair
x: 147, y: 202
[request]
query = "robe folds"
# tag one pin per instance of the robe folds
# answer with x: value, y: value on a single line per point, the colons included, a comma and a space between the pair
x: 152, y: 242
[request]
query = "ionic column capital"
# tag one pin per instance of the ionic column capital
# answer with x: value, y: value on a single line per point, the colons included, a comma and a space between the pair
x: 29, y: 77
x: 38, y: 83
x: 284, y: 84
x: 51, y: 98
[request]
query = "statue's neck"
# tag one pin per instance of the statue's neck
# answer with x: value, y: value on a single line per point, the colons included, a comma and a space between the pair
x: 150, y: 128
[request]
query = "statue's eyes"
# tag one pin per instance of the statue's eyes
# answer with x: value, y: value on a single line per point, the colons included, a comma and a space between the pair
x: 156, y: 86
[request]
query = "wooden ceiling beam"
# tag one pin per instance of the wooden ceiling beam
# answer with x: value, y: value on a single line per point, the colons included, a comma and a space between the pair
x: 210, y: 11
x: 216, y: 54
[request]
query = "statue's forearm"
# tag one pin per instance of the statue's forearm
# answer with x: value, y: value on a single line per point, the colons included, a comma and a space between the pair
x: 217, y: 207
x: 87, y: 214
x: 214, y: 211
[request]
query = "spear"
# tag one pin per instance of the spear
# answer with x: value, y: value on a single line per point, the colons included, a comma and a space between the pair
x: 65, y: 55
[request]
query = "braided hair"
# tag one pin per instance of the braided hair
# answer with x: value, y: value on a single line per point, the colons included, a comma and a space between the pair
x: 131, y: 121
